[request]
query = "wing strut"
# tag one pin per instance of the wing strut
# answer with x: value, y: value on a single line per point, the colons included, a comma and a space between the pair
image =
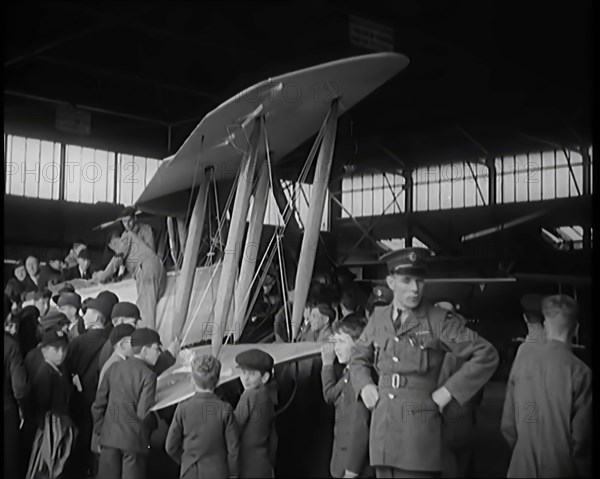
x: 234, y: 238
x: 259, y: 207
x: 183, y: 290
x: 310, y: 239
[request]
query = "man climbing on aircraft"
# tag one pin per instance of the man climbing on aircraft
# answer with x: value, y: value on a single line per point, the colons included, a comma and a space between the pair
x: 132, y: 250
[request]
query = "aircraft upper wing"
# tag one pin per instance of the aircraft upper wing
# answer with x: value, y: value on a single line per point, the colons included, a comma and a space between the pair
x: 294, y: 106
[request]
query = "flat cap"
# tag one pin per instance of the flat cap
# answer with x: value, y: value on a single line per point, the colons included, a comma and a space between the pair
x: 69, y: 299
x: 144, y: 337
x: 54, y: 337
x: 102, y: 304
x: 53, y: 319
x: 411, y: 261
x: 532, y: 303
x: 382, y: 295
x: 66, y: 288
x: 255, y: 359
x: 119, y: 332
x: 111, y: 298
x: 125, y: 309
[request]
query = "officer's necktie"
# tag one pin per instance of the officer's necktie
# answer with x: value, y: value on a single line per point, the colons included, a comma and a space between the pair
x: 401, y: 316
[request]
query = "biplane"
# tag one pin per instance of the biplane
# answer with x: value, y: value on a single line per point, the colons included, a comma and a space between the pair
x: 234, y: 150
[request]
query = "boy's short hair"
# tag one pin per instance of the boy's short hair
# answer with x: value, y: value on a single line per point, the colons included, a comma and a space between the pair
x: 206, y: 371
x: 349, y: 299
x: 353, y: 325
x: 560, y: 311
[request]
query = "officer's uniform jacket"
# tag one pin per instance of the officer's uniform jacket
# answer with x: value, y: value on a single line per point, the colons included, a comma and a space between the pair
x: 405, y: 425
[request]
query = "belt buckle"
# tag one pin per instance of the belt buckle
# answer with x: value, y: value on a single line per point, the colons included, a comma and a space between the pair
x: 398, y: 381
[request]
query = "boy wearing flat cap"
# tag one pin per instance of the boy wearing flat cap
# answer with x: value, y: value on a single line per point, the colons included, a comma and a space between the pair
x: 52, y: 321
x: 123, y: 312
x: 405, y: 342
x: 51, y: 387
x: 69, y: 303
x: 121, y: 410
x: 82, y: 362
x: 203, y: 436
x: 255, y: 415
x: 120, y: 341
x: 51, y: 392
x: 350, y: 456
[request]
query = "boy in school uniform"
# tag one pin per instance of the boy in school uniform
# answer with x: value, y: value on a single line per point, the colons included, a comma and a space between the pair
x: 121, y: 410
x: 16, y: 389
x: 350, y: 456
x: 120, y: 339
x: 51, y: 389
x: 123, y: 312
x: 203, y: 436
x: 255, y: 415
x: 34, y: 359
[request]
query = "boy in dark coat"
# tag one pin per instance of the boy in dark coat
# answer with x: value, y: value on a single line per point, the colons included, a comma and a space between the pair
x: 203, y: 436
x: 15, y: 391
x: 35, y: 358
x: 547, y: 414
x: 51, y: 391
x: 29, y: 316
x: 255, y: 415
x: 82, y: 362
x: 350, y: 456
x: 51, y: 387
x: 121, y: 410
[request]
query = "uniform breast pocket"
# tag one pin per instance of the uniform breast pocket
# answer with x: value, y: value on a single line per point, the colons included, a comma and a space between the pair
x: 414, y: 357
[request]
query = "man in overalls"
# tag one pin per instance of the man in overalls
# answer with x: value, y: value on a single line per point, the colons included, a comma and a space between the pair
x: 144, y: 265
x: 406, y: 342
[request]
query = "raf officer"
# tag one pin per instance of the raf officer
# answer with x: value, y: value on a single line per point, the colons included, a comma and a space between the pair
x: 406, y: 342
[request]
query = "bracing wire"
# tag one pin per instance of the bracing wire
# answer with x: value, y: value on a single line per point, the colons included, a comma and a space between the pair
x: 287, y: 213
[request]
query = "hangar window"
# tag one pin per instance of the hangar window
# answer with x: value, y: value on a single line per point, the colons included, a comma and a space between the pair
x: 450, y: 185
x: 373, y: 194
x: 133, y: 174
x: 539, y: 176
x: 88, y: 175
x: 51, y: 170
x: 302, y: 192
x: 31, y: 167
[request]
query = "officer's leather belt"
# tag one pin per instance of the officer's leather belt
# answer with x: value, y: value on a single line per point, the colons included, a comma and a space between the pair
x: 401, y: 381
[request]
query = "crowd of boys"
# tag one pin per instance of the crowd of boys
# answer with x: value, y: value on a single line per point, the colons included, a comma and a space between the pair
x: 80, y: 382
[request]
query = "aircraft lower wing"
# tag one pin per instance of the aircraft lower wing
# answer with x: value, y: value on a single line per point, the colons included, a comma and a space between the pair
x: 175, y: 384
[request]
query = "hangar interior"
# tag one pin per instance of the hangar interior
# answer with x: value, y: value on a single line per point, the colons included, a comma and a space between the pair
x: 481, y: 150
